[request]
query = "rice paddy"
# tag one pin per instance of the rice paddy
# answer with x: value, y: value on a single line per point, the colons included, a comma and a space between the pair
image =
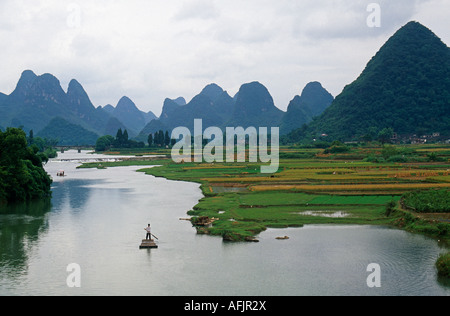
x: 312, y: 190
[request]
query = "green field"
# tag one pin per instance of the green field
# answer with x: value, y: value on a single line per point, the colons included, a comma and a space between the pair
x: 319, y: 189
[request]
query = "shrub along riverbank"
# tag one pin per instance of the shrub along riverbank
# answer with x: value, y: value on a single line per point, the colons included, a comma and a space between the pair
x: 22, y: 176
x: 443, y: 265
x: 430, y: 201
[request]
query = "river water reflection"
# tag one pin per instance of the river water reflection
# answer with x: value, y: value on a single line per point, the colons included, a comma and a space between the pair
x: 97, y: 218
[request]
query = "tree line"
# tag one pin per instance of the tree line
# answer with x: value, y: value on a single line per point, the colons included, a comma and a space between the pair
x: 158, y: 139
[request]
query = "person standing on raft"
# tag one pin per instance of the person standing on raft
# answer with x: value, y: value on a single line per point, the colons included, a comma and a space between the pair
x: 149, y: 234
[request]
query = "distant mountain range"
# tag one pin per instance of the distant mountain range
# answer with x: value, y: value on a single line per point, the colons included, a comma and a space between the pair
x: 405, y: 86
x: 251, y: 106
x: 39, y: 103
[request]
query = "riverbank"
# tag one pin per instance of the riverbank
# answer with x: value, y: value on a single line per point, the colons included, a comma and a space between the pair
x: 309, y: 188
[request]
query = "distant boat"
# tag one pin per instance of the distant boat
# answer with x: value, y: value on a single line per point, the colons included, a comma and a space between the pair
x: 60, y: 173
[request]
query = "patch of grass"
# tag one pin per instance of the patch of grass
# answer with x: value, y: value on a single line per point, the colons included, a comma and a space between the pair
x: 443, y: 265
x: 247, y: 214
x: 430, y: 201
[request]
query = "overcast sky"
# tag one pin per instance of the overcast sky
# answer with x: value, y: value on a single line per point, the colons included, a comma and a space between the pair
x: 152, y: 49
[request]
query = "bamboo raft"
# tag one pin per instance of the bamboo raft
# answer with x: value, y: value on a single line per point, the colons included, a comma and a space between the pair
x: 148, y: 244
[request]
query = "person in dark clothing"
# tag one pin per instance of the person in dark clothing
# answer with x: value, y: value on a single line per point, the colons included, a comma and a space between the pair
x: 149, y: 234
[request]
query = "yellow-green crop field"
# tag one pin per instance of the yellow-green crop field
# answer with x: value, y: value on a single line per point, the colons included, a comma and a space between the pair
x: 315, y: 189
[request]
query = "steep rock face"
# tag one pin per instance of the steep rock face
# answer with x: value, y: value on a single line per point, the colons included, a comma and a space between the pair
x: 180, y: 101
x: 212, y: 91
x: 169, y: 108
x: 224, y: 107
x: 37, y: 100
x: 213, y: 105
x: 316, y: 98
x: 405, y: 86
x: 149, y: 116
x: 252, y: 106
x: 298, y: 114
x: 302, y: 109
x: 23, y: 85
x: 128, y: 113
x: 255, y: 107
x: 108, y: 108
x: 78, y: 100
x: 80, y: 104
x: 34, y: 102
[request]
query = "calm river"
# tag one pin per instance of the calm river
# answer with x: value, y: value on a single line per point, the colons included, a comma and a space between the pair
x: 96, y: 219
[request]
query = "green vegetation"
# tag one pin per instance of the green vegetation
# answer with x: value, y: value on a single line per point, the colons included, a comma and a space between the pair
x: 245, y: 214
x: 410, y: 221
x: 443, y: 265
x: 44, y: 145
x: 68, y: 133
x: 104, y: 143
x: 122, y: 141
x: 404, y: 89
x: 159, y: 139
x: 312, y: 186
x: 337, y: 147
x: 430, y: 201
x: 390, y: 207
x: 302, y: 109
x: 22, y: 177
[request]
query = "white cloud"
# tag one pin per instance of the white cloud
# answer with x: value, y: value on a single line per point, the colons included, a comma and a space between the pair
x: 197, y: 9
x: 150, y: 50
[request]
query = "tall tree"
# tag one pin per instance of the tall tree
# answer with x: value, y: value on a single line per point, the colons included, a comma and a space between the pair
x: 31, y: 137
x: 167, y: 139
x: 150, y: 140
x: 125, y: 137
x: 119, y: 137
x: 385, y: 135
